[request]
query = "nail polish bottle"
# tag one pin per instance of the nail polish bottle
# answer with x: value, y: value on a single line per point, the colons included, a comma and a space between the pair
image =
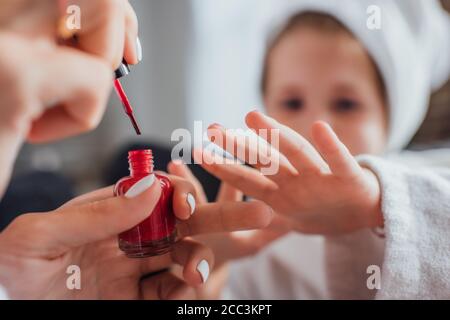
x: 155, y: 235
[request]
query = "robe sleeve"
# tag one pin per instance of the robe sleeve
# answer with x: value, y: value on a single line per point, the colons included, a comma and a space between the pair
x: 415, y: 256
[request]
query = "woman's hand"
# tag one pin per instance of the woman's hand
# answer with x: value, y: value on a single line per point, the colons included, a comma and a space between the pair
x: 321, y: 189
x: 36, y: 249
x: 108, y: 28
x: 54, y: 91
x: 50, y: 91
x: 232, y: 245
x: 227, y: 245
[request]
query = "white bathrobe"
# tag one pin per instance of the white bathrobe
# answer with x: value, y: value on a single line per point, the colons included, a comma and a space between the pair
x: 414, y: 254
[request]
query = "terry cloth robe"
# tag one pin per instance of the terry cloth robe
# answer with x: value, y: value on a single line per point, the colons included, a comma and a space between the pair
x: 413, y: 256
x: 412, y: 53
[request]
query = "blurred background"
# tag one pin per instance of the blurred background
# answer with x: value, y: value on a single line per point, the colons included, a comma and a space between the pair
x: 198, y: 65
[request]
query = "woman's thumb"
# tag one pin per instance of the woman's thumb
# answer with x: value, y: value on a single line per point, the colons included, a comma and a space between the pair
x: 79, y: 225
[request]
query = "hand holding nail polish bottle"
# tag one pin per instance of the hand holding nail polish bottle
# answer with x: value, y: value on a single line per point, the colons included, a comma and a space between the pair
x: 155, y: 235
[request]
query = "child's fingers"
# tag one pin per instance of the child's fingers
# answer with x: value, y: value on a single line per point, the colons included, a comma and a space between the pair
x: 246, y: 179
x: 251, y: 149
x: 228, y: 193
x: 300, y: 153
x: 335, y: 153
x: 178, y: 168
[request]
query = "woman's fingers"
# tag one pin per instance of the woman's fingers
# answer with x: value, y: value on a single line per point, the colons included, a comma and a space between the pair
x: 133, y: 47
x: 110, y: 30
x: 335, y: 153
x: 184, y: 196
x: 300, y: 153
x: 226, y: 217
x: 166, y: 286
x: 228, y: 193
x: 178, y: 168
x: 250, y: 181
x: 196, y: 259
x: 76, y: 100
x: 103, y: 29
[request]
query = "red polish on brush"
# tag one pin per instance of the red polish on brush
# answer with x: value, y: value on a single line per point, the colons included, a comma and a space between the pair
x: 122, y: 71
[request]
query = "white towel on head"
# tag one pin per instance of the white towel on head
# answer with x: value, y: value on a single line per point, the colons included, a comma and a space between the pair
x: 411, y: 49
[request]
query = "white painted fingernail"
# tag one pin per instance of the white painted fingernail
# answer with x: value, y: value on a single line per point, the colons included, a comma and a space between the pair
x: 139, y: 49
x: 191, y: 202
x: 203, y: 269
x: 140, y: 186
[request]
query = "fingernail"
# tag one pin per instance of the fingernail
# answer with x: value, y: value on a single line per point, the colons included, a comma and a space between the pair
x: 203, y: 269
x: 140, y: 186
x: 138, y: 49
x: 191, y: 202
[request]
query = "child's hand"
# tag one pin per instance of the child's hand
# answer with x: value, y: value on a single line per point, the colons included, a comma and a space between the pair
x: 321, y: 189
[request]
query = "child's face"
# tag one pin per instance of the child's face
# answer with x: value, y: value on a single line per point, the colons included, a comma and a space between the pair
x: 313, y: 75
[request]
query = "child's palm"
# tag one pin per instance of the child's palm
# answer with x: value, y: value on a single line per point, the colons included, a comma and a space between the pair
x: 324, y: 204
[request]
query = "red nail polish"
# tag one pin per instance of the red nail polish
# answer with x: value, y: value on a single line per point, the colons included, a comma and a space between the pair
x: 156, y: 234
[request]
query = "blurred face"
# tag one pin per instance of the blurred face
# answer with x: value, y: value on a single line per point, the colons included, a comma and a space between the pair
x: 312, y: 75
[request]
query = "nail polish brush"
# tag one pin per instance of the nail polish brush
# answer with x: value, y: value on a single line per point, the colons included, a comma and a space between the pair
x: 122, y: 71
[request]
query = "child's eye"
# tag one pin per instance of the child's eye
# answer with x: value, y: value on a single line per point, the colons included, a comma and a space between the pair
x: 345, y: 105
x: 294, y: 104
